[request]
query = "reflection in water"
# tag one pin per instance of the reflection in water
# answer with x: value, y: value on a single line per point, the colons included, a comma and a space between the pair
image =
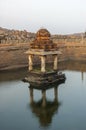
x: 74, y: 66
x: 70, y: 115
x: 10, y: 75
x: 43, y: 108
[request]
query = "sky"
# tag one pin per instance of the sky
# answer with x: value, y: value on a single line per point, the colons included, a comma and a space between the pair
x: 58, y: 16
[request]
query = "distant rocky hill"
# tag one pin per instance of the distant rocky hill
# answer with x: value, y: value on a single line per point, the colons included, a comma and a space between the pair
x: 69, y: 36
x: 15, y: 36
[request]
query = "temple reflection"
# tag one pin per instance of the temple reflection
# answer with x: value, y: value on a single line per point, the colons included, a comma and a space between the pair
x: 44, y: 109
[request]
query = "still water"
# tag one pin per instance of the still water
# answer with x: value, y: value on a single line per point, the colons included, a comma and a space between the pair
x: 68, y: 112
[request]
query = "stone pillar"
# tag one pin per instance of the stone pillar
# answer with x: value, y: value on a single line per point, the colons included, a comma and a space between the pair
x: 43, y: 98
x: 43, y: 64
x: 30, y: 63
x: 31, y: 95
x: 55, y: 62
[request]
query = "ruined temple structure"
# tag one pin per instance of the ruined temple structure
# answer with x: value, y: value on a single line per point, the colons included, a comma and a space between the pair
x: 43, y: 41
x: 42, y: 47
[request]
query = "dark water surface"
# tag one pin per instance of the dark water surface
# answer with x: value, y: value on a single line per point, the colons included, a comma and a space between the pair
x: 68, y: 112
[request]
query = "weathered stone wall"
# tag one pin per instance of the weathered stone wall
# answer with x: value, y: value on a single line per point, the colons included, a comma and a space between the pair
x: 13, y: 55
x: 73, y: 52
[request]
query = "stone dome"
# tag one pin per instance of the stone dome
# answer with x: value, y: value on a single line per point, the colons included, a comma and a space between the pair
x: 43, y: 41
x: 43, y: 34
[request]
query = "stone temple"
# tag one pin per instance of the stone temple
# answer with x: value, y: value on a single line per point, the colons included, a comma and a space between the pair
x: 43, y: 41
x: 43, y: 46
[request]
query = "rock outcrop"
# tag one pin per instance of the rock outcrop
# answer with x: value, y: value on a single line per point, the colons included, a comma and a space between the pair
x: 15, y: 36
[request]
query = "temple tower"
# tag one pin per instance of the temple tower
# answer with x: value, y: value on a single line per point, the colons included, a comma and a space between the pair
x: 42, y: 46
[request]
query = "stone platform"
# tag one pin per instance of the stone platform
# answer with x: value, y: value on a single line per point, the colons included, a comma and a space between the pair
x: 44, y: 80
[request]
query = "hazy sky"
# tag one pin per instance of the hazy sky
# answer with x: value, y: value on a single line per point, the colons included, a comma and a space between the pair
x: 58, y: 16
